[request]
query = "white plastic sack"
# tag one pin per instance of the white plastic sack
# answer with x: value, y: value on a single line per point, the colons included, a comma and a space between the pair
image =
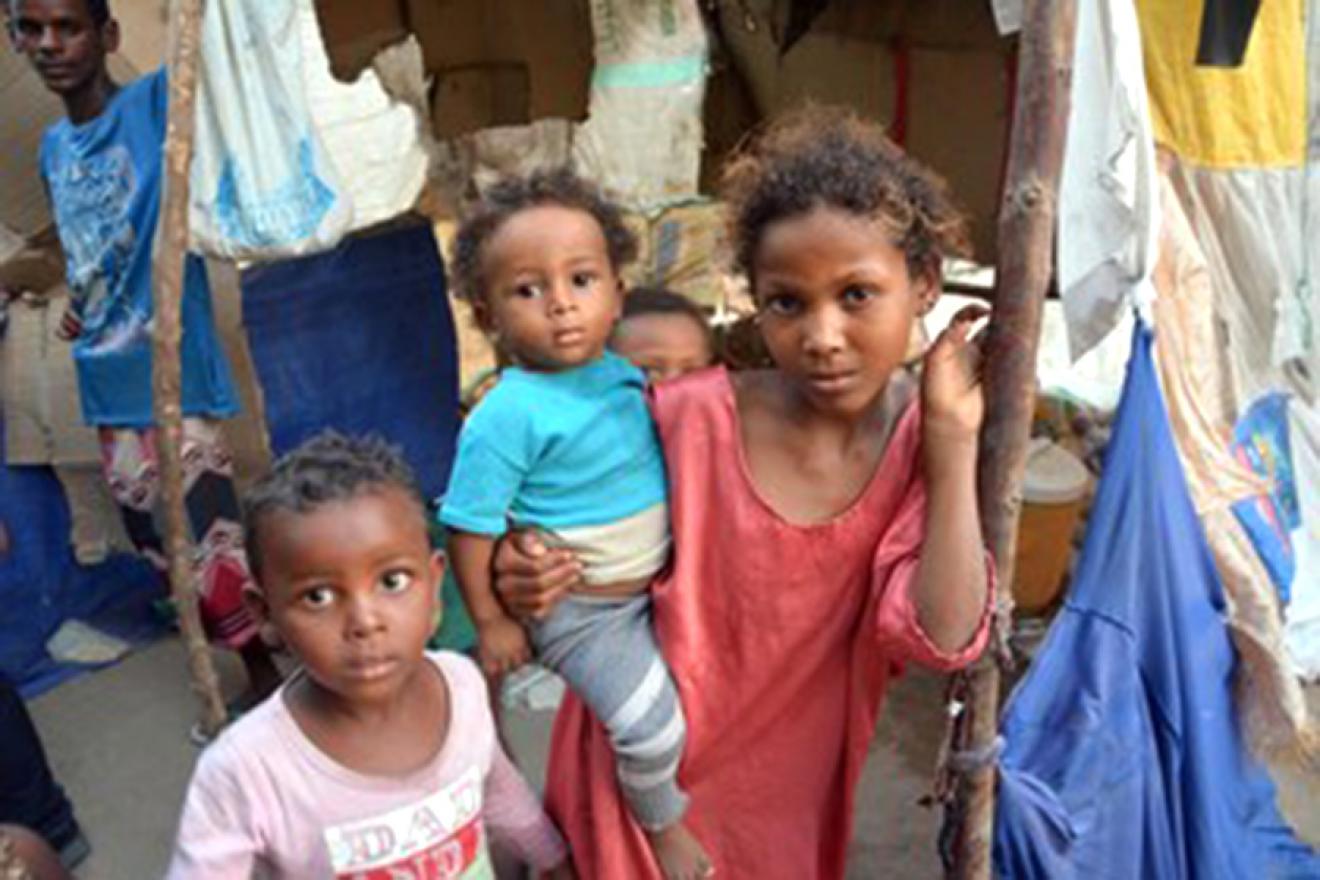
x: 262, y: 186
x: 372, y: 139
x: 643, y: 137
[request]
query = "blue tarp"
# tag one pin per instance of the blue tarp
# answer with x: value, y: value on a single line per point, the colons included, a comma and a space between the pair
x: 41, y: 585
x: 1122, y: 754
x: 360, y: 339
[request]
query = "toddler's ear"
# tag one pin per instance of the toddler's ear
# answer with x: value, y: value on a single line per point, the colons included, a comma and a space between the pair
x: 482, y: 315
x: 621, y: 293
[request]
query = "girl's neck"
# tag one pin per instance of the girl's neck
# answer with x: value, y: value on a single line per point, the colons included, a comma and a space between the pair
x: 845, y: 429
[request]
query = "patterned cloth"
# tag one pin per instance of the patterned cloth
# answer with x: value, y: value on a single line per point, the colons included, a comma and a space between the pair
x: 130, y: 461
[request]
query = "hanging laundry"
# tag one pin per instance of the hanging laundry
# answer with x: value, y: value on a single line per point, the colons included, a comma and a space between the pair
x: 1302, y: 621
x: 359, y: 339
x: 373, y: 140
x: 1252, y: 115
x: 1108, y: 193
x: 1122, y: 754
x: 1194, y: 377
x: 262, y: 185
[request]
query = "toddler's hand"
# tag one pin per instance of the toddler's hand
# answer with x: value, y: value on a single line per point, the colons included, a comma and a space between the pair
x: 502, y: 646
x: 951, y: 396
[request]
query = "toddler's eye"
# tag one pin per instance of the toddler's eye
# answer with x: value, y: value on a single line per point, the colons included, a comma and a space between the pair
x: 317, y: 597
x: 396, y: 581
x: 527, y: 291
x: 583, y: 279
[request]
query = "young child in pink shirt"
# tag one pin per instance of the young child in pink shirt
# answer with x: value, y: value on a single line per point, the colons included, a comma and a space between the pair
x: 376, y: 759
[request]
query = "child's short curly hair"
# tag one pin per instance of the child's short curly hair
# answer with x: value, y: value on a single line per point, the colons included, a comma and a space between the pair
x: 555, y: 186
x: 830, y: 157
x: 326, y: 468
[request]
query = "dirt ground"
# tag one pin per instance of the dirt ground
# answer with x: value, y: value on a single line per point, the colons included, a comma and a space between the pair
x: 118, y: 742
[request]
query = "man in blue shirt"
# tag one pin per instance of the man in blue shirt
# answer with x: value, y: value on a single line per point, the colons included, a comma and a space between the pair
x: 102, y: 166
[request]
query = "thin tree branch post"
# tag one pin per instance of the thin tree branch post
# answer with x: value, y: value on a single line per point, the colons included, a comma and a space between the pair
x: 171, y: 248
x: 1026, y: 248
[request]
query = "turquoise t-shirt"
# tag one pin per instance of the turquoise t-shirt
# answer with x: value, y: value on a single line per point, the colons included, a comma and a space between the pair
x: 557, y: 450
x: 104, y: 179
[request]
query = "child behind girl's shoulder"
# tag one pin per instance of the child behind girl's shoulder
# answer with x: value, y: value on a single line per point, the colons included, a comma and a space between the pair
x: 663, y: 333
x: 376, y: 755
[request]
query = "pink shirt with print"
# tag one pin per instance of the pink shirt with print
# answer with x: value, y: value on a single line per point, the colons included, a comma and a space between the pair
x: 265, y: 800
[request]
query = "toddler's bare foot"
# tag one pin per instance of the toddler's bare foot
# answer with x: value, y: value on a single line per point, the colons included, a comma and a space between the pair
x: 679, y: 854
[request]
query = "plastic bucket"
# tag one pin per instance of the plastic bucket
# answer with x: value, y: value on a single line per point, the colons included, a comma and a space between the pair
x: 1054, y: 490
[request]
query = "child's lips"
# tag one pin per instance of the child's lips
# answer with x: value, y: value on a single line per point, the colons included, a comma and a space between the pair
x: 569, y: 336
x: 370, y: 668
x: 832, y: 382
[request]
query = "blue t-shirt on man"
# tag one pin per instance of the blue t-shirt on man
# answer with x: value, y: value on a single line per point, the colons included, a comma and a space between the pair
x: 104, y: 180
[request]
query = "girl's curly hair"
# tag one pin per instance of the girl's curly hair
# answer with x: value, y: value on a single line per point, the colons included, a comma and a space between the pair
x: 556, y: 186
x: 830, y: 157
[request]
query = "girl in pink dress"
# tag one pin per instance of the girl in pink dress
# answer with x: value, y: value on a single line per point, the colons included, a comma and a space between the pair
x: 824, y: 515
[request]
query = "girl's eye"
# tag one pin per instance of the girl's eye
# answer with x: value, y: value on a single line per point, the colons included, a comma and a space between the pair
x: 857, y: 296
x: 396, y: 581
x: 318, y: 597
x: 583, y: 279
x: 781, y: 304
x: 527, y: 291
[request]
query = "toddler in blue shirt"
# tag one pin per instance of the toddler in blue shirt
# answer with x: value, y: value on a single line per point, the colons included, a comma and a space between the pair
x: 564, y: 444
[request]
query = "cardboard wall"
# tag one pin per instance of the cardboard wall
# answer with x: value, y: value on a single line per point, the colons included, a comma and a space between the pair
x: 503, y: 62
x: 494, y: 62
x: 957, y: 85
x: 355, y: 30
x: 28, y: 109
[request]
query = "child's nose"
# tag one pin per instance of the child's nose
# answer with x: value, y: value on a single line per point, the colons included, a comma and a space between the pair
x: 364, y: 617
x: 560, y: 299
x: 48, y: 39
x: 824, y: 332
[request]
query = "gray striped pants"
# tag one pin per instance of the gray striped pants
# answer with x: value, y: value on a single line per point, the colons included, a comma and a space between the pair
x: 606, y: 651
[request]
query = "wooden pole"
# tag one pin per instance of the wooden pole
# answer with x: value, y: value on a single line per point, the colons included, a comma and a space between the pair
x: 166, y: 372
x: 1026, y: 249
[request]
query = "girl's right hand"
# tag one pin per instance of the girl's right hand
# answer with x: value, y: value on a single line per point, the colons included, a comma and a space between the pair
x: 530, y: 578
x: 502, y: 647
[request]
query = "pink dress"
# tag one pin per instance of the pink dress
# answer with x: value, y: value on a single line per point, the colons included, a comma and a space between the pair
x: 781, y: 638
